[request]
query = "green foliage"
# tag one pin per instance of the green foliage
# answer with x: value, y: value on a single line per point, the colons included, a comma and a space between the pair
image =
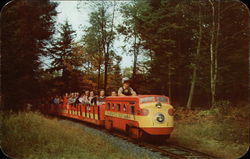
x: 116, y: 76
x: 67, y: 57
x: 98, y: 41
x: 164, y: 32
x: 127, y: 72
x: 169, y: 33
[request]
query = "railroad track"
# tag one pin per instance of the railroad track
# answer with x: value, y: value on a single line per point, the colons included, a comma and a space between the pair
x: 170, y: 150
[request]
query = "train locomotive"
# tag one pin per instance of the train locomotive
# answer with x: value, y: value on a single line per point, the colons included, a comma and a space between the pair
x: 142, y: 116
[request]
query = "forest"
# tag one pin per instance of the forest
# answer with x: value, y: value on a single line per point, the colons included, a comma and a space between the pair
x: 194, y: 51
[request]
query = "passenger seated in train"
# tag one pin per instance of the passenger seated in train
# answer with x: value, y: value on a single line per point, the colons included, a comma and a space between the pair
x: 126, y: 90
x: 65, y: 99
x: 86, y: 97
x: 92, y: 98
x: 101, y: 98
x: 61, y: 99
x: 77, y: 96
x: 113, y: 94
x: 56, y: 100
x: 71, y: 99
x: 81, y: 98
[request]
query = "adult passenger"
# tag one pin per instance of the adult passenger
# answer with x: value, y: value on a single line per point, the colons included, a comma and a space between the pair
x: 56, y: 100
x: 71, y: 99
x: 81, y: 98
x: 92, y: 98
x: 86, y: 97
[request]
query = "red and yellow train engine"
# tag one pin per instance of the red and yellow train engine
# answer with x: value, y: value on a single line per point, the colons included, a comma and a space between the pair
x: 140, y: 116
x: 149, y: 116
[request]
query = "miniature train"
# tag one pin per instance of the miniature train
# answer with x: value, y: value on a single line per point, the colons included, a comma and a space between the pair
x: 143, y: 116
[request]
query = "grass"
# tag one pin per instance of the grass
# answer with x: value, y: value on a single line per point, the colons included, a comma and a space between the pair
x: 222, y: 131
x: 31, y: 135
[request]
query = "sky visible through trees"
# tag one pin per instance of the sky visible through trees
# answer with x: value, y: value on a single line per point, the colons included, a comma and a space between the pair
x: 71, y: 11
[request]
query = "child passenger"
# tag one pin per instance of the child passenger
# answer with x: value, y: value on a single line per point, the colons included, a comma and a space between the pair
x: 101, y: 98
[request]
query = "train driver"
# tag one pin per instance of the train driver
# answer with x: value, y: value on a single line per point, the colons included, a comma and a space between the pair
x: 126, y: 90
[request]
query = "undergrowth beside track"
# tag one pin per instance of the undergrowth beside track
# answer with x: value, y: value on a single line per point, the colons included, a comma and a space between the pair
x: 28, y: 135
x: 222, y: 131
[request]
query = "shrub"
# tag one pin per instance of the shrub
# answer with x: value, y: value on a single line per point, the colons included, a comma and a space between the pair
x: 223, y: 106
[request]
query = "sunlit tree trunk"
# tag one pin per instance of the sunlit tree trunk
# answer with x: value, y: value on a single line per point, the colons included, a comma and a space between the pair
x: 213, y: 50
x: 107, y: 56
x: 194, y: 76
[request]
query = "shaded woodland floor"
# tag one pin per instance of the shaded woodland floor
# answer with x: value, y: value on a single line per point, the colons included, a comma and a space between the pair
x: 222, y: 131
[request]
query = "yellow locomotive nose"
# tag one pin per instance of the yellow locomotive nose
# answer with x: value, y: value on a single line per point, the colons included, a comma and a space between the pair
x: 159, y: 118
x: 156, y: 114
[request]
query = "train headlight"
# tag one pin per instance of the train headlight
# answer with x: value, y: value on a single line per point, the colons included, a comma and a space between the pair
x: 158, y: 105
x: 160, y: 117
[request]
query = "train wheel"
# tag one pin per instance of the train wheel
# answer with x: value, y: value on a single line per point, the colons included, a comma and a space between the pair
x: 134, y: 133
x: 108, y: 125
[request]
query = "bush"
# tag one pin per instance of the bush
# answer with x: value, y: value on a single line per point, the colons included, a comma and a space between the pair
x: 223, y: 106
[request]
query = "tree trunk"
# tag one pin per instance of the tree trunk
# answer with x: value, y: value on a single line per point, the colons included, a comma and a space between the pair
x: 135, y: 60
x: 99, y: 75
x: 108, y: 42
x: 194, y: 76
x: 105, y: 73
x: 216, y: 50
x: 213, y: 51
x: 103, y: 41
x: 169, y: 78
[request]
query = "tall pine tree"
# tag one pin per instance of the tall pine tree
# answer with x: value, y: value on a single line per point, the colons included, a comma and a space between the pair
x: 26, y: 26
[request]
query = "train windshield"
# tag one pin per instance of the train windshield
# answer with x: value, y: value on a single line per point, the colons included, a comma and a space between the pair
x: 162, y: 99
x: 147, y: 99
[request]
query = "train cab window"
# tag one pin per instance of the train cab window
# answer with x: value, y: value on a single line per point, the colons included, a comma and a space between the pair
x: 108, y: 107
x: 113, y: 106
x: 147, y: 99
x: 162, y: 99
x: 132, y: 109
x: 124, y: 108
x: 118, y: 107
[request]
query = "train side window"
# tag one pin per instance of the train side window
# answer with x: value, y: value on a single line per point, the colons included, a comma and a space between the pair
x: 118, y: 107
x: 108, y: 106
x: 113, y: 106
x: 124, y: 108
x: 132, y: 109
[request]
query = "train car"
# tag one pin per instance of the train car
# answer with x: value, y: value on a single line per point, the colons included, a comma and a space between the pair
x: 140, y: 116
x: 93, y: 114
x: 143, y: 116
